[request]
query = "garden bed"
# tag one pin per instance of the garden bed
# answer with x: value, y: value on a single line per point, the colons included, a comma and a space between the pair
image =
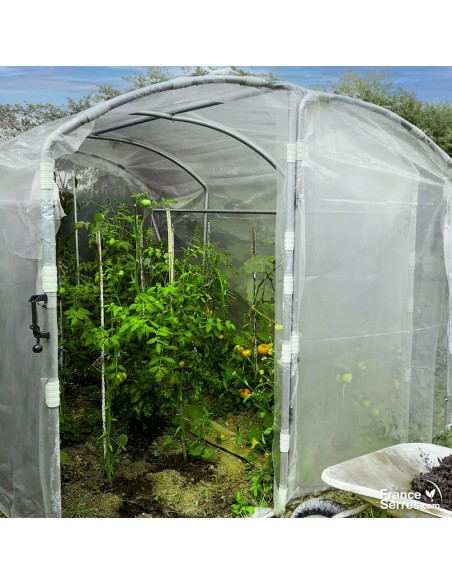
x: 151, y: 477
x: 150, y: 485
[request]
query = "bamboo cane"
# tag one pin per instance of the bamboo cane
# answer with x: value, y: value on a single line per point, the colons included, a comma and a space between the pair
x: 102, y: 351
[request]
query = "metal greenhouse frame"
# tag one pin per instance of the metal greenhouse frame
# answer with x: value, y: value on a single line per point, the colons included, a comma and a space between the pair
x: 302, y: 164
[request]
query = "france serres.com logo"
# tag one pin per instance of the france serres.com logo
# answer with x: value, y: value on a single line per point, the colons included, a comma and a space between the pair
x: 412, y: 500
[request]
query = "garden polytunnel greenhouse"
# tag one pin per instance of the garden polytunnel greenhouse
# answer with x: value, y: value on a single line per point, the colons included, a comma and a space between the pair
x: 358, y: 202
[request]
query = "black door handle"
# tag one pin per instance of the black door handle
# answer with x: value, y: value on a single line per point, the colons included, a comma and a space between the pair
x: 34, y: 319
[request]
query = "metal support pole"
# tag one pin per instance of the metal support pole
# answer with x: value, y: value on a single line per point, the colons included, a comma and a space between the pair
x: 289, y: 349
x: 289, y: 209
x: 77, y: 256
x: 217, y: 128
x: 297, y: 241
x: 448, y: 260
x: 49, y: 436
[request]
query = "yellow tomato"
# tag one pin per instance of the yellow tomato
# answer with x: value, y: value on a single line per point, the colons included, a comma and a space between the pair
x: 121, y: 376
x: 246, y: 352
x: 244, y: 392
x: 262, y: 349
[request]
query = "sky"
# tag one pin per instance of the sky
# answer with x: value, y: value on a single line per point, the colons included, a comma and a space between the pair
x: 53, y: 84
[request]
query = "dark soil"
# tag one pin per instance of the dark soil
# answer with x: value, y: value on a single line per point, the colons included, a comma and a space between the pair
x: 149, y: 485
x: 442, y: 477
x: 149, y: 479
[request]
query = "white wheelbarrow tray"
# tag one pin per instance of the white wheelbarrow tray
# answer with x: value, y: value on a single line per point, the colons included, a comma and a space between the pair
x: 391, y: 470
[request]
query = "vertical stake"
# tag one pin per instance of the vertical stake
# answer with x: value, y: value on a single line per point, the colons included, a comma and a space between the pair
x: 102, y: 352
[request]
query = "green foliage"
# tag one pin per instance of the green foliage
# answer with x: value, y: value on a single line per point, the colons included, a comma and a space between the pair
x: 150, y: 76
x: 172, y: 357
x: 18, y: 118
x: 192, y: 422
x: 73, y: 432
x: 259, y: 493
x: 444, y: 438
x: 102, y: 93
x: 115, y: 447
x: 435, y: 119
x: 242, y: 508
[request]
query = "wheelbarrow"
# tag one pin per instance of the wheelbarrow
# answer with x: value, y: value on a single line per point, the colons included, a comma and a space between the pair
x: 382, y: 479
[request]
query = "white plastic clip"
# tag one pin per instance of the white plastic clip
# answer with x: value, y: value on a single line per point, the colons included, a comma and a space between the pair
x: 286, y: 353
x: 411, y: 259
x: 291, y: 152
x: 410, y: 305
x: 289, y: 241
x: 288, y: 285
x: 49, y: 279
x: 407, y: 376
x: 280, y: 500
x: 53, y: 393
x: 284, y: 442
x: 46, y: 171
x: 302, y: 150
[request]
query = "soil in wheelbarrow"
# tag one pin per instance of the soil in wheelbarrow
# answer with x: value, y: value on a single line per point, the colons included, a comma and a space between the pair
x: 435, y: 485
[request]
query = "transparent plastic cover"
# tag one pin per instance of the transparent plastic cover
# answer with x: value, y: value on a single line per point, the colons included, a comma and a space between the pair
x: 366, y: 199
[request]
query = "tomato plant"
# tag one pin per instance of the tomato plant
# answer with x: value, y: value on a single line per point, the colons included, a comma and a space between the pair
x: 172, y: 355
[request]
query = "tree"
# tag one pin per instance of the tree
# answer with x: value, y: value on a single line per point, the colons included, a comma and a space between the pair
x: 102, y: 93
x: 434, y: 119
x: 152, y: 75
x: 15, y: 119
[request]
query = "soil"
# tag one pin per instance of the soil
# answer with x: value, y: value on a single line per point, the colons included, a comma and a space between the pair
x: 145, y: 485
x: 442, y: 477
x: 149, y: 480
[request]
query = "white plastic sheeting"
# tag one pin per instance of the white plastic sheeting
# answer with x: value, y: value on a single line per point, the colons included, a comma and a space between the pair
x: 362, y: 301
x: 29, y: 435
x: 371, y: 295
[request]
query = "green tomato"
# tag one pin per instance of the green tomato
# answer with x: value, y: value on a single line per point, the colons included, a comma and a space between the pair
x: 62, y: 291
x: 145, y: 203
x: 121, y: 274
x: 111, y: 241
x: 98, y: 217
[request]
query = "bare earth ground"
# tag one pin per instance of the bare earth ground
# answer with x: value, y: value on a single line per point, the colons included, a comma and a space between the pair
x: 145, y: 485
x: 152, y: 481
x: 149, y: 480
